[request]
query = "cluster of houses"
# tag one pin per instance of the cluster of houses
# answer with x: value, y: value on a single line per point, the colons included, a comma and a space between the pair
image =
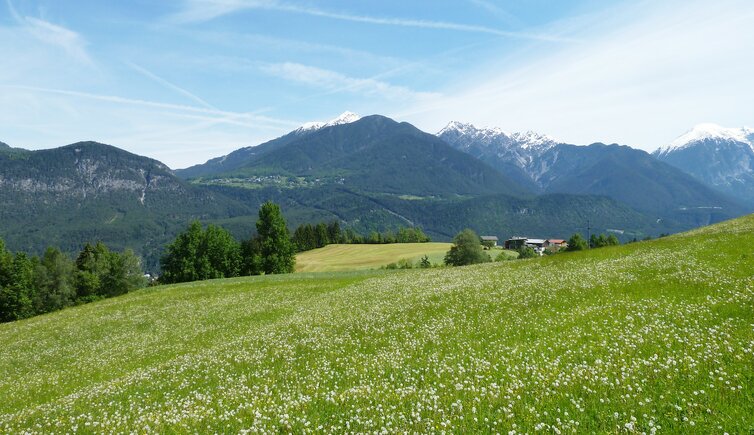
x: 515, y: 243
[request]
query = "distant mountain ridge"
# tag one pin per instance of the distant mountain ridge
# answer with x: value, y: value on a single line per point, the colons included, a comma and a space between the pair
x: 344, y: 118
x: 514, y: 154
x: 373, y: 154
x: 236, y: 159
x: 621, y: 172
x: 370, y: 174
x: 90, y: 191
x: 719, y: 157
x: 708, y: 132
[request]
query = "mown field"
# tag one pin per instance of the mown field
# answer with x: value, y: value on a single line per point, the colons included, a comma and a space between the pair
x: 336, y: 258
x: 650, y: 337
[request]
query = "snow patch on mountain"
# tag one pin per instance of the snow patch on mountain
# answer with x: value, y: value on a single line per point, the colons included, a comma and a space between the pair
x: 496, y: 137
x: 344, y: 118
x: 709, y: 132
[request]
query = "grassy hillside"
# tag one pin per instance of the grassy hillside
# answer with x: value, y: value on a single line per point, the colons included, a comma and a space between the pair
x: 649, y: 336
x: 334, y: 258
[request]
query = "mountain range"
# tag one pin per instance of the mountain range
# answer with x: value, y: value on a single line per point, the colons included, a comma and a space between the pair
x: 369, y: 173
x: 628, y: 175
x: 719, y: 157
x: 373, y: 154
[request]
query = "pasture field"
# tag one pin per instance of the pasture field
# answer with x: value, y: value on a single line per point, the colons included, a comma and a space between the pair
x: 334, y: 258
x: 652, y: 337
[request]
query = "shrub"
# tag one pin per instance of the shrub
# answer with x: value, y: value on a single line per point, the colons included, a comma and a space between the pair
x: 466, y: 249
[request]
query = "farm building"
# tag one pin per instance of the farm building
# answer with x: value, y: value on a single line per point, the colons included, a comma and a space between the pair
x: 539, y: 245
x: 556, y: 244
x: 536, y: 243
x: 515, y: 243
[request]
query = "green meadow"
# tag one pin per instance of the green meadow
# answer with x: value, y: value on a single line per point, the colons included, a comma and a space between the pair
x: 335, y: 258
x: 650, y: 337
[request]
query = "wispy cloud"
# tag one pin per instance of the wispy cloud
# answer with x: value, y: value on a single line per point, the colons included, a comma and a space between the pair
x: 336, y: 82
x: 245, y: 119
x: 497, y: 11
x: 52, y: 34
x: 639, y: 82
x: 169, y: 85
x: 205, y: 10
x: 286, y: 45
x: 179, y: 135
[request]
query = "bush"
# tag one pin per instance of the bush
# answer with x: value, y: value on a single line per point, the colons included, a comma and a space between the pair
x: 526, y: 252
x: 504, y: 256
x: 576, y: 243
x: 466, y: 249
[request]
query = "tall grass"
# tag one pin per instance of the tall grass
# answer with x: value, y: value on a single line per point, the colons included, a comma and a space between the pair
x: 650, y: 337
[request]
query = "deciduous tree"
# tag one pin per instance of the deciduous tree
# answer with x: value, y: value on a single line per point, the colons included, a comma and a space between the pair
x: 275, y: 247
x: 466, y: 249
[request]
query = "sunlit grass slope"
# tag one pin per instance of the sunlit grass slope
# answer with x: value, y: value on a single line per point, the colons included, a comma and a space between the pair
x: 335, y: 258
x: 645, y: 337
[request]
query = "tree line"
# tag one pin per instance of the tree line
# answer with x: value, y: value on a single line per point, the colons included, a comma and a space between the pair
x: 209, y: 253
x: 31, y: 285
x: 577, y: 242
x: 312, y: 236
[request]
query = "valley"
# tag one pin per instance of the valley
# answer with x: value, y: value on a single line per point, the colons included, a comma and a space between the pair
x: 530, y: 217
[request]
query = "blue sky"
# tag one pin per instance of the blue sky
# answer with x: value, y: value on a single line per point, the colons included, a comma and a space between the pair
x: 186, y: 80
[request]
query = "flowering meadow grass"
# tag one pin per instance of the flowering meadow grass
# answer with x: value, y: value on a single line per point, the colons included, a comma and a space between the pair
x: 342, y: 257
x: 650, y: 337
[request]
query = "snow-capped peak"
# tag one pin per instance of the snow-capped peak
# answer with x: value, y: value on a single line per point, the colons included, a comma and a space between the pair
x: 469, y: 129
x: 344, y: 118
x: 532, y: 139
x: 709, y: 131
x: 494, y: 135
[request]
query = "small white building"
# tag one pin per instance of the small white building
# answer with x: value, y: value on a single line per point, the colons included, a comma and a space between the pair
x: 537, y: 244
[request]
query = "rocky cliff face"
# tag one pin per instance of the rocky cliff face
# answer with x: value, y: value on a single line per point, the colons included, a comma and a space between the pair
x: 86, y: 169
x: 89, y: 191
x: 516, y: 154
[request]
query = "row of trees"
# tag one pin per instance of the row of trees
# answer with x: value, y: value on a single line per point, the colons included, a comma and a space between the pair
x: 309, y: 236
x: 199, y: 253
x: 404, y: 235
x: 31, y: 285
x: 577, y: 242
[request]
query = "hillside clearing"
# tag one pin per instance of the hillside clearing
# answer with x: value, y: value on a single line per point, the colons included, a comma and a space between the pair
x: 652, y: 336
x: 334, y: 258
